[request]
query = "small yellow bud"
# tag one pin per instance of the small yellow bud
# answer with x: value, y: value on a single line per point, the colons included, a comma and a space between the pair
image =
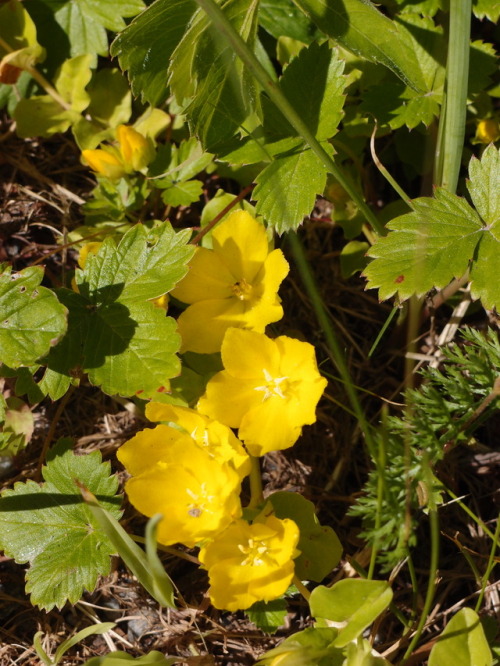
x: 137, y: 151
x: 88, y: 248
x: 488, y: 130
x: 104, y: 162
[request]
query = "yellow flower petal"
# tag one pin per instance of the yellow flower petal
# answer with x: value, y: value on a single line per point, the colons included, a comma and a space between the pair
x: 241, y: 244
x: 149, y: 447
x: 202, y: 325
x: 207, y: 279
x: 137, y: 151
x: 88, y: 248
x: 227, y: 399
x: 268, y: 427
x: 271, y: 275
x: 213, y: 437
x: 104, y: 162
x: 246, y: 353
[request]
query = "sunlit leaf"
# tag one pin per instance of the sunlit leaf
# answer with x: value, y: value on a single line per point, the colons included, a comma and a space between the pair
x: 50, y: 527
x: 32, y: 319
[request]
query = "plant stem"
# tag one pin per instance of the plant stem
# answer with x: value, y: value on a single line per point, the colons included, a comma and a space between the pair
x: 256, y: 496
x: 336, y: 353
x: 431, y: 586
x: 301, y: 588
x: 490, y: 566
x: 452, y: 125
x: 40, y: 79
x: 226, y: 29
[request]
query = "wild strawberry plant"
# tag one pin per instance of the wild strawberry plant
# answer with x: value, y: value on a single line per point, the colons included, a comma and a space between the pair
x: 284, y: 97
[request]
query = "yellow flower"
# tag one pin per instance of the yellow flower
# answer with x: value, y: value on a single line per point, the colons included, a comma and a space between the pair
x: 268, y: 389
x: 215, y: 438
x: 104, y: 162
x: 88, y: 248
x: 134, y: 152
x: 488, y: 130
x: 234, y: 284
x: 137, y: 150
x: 249, y: 563
x: 197, y: 495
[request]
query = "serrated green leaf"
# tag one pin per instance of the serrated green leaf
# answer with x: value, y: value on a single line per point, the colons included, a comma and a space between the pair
x: 436, y: 242
x: 50, y: 527
x: 183, y: 194
x: 462, y: 642
x: 115, y: 334
x: 270, y: 616
x: 206, y: 71
x: 355, y: 602
x: 320, y: 548
x: 359, y: 27
x: 144, y: 48
x: 32, y: 318
x: 287, y: 188
x: 85, y: 21
x: 313, y: 83
x: 489, y: 9
x: 483, y: 186
x: 427, y: 248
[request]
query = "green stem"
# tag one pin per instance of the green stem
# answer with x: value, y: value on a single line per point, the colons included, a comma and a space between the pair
x: 431, y: 586
x: 301, y: 588
x: 334, y: 348
x: 452, y: 125
x: 256, y: 496
x: 40, y: 79
x: 491, y: 564
x: 225, y: 28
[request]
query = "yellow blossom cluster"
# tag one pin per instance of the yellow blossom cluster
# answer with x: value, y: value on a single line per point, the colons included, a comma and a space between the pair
x: 191, y: 465
x: 133, y: 153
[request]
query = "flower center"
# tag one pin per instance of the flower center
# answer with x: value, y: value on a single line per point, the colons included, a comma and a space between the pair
x: 242, y: 290
x: 200, y: 501
x: 273, y: 386
x: 255, y: 552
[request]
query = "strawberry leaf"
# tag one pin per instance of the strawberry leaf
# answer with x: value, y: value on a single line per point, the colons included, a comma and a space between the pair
x: 51, y: 527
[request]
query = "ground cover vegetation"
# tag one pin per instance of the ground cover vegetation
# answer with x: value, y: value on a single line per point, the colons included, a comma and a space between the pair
x: 249, y: 354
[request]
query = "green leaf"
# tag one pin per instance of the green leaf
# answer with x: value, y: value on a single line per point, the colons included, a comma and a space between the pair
x: 436, y: 242
x: 462, y: 642
x: 359, y: 27
x: 17, y: 427
x: 144, y: 48
x: 153, y: 658
x: 355, y: 602
x: 124, y: 343
x: 489, y: 9
x: 282, y: 18
x: 19, y: 47
x: 85, y: 21
x: 42, y: 115
x: 270, y: 616
x: 312, y: 646
x: 286, y: 189
x: 32, y: 319
x: 313, y: 83
x: 353, y: 258
x: 110, y: 98
x: 319, y: 546
x: 50, y: 527
x: 183, y: 194
x: 206, y: 74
